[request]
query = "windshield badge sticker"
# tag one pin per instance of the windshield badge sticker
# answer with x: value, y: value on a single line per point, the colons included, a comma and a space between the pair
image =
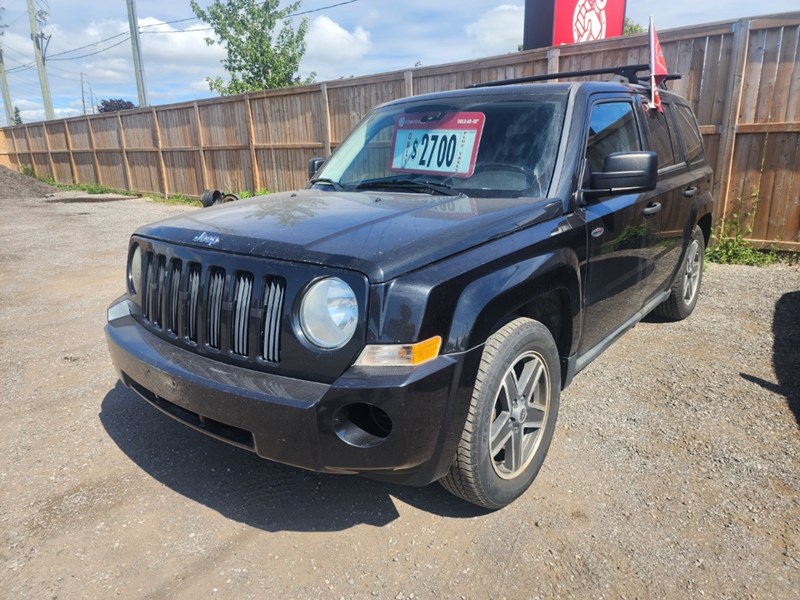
x: 204, y: 238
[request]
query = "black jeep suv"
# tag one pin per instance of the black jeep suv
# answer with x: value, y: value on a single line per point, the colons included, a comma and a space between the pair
x: 413, y: 314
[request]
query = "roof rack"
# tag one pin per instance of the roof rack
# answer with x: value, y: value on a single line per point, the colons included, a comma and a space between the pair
x: 629, y: 72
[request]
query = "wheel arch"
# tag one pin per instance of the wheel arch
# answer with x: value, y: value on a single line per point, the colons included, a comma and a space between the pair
x: 545, y: 288
x: 705, y: 224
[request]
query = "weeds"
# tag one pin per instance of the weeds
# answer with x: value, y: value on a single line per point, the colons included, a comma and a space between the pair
x: 89, y: 188
x: 248, y: 194
x: 729, y: 246
x: 174, y: 199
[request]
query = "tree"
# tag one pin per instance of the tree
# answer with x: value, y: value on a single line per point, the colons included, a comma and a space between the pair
x: 631, y: 27
x: 259, y: 57
x: 114, y: 104
x: 17, y: 117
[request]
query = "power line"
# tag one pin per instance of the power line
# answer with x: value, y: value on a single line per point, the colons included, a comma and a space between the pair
x: 51, y: 74
x: 25, y: 56
x: 180, y: 30
x: 15, y: 62
x: 87, y: 45
x: 24, y: 67
x: 96, y: 52
x: 170, y: 22
x: 313, y: 10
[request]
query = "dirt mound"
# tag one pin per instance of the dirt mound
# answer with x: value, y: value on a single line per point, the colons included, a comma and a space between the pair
x: 17, y: 185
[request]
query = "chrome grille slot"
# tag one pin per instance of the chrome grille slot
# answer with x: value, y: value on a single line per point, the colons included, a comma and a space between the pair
x: 146, y: 288
x: 216, y: 287
x: 273, y: 308
x: 159, y: 292
x: 154, y: 285
x: 194, y: 297
x: 241, y: 312
x: 174, y: 295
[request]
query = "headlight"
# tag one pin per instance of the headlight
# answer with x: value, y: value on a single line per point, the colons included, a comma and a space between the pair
x: 135, y: 270
x: 329, y: 313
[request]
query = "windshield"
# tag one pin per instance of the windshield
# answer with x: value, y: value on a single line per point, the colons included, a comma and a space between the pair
x: 459, y: 146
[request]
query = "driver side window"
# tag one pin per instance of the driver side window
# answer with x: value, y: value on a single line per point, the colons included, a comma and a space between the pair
x: 612, y: 128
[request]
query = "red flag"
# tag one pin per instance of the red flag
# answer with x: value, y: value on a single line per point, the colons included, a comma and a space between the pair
x: 658, y: 67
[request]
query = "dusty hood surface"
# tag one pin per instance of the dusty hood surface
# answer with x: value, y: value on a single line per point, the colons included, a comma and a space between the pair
x: 381, y: 234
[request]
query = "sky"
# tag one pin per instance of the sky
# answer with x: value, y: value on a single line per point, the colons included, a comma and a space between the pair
x: 359, y: 37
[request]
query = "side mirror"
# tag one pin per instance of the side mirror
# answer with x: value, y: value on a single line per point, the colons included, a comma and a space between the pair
x: 313, y: 165
x: 625, y: 173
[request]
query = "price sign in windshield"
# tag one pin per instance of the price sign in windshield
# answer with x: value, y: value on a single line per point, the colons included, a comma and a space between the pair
x: 437, y: 143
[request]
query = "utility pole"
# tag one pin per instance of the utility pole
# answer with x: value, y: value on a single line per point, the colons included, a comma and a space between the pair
x: 4, y: 81
x: 37, y: 38
x: 138, y: 65
x: 6, y: 95
x: 83, y: 94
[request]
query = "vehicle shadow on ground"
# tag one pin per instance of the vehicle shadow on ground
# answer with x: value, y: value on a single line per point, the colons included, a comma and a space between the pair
x: 241, y: 486
x: 785, y: 352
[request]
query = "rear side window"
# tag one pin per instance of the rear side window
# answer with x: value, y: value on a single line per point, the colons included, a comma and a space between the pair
x: 612, y: 128
x: 692, y: 142
x: 663, y: 142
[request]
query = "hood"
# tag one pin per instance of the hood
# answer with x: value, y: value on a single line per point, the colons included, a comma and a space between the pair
x: 380, y: 234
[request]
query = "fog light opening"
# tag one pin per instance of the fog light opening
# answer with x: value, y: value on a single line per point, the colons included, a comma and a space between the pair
x: 362, y: 424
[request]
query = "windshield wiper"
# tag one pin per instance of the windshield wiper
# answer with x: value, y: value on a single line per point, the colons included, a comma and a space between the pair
x: 414, y: 185
x: 335, y: 184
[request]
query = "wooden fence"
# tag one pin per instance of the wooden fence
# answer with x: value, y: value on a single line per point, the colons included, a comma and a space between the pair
x: 742, y: 78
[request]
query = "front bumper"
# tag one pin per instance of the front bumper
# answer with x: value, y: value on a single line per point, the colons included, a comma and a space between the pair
x: 317, y: 426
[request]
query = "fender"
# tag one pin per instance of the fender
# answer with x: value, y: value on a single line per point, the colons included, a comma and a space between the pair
x: 462, y: 299
x: 490, y: 300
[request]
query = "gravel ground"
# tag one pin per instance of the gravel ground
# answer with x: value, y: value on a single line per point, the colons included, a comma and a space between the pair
x: 674, y: 471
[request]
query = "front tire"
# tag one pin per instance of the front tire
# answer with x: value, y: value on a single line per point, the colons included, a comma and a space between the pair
x: 686, y: 287
x: 511, y: 417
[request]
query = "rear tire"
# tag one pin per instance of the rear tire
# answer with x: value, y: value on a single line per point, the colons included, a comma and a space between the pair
x: 511, y: 417
x: 686, y: 287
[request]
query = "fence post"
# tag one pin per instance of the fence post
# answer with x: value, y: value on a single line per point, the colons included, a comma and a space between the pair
x: 124, y: 143
x: 255, y: 175
x: 408, y: 83
x: 163, y: 169
x: 201, y: 150
x: 553, y: 56
x: 73, y: 167
x: 730, y: 119
x: 49, y: 152
x: 326, y: 120
x: 14, y: 144
x: 97, y: 177
x: 30, y: 150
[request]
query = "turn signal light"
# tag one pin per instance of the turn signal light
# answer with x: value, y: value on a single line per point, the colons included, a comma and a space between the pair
x: 400, y: 355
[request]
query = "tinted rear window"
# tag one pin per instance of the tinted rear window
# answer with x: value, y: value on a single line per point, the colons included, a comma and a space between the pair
x: 692, y: 143
x: 660, y: 137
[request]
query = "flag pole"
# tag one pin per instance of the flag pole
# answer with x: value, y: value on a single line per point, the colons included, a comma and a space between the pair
x: 652, y: 65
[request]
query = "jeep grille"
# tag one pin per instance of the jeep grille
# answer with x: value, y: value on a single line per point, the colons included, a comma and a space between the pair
x: 224, y: 311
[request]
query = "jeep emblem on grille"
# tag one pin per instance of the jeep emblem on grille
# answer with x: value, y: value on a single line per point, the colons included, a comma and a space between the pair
x: 204, y: 238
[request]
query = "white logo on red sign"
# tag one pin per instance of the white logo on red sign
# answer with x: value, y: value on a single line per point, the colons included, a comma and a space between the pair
x: 589, y: 20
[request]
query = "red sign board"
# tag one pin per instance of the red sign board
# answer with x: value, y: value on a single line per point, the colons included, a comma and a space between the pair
x: 587, y: 20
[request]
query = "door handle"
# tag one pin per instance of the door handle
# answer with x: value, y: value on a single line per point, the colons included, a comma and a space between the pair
x: 654, y: 208
x: 690, y: 191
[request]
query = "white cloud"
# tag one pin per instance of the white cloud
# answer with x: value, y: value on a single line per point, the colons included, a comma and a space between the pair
x: 201, y: 85
x: 332, y: 51
x: 497, y: 31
